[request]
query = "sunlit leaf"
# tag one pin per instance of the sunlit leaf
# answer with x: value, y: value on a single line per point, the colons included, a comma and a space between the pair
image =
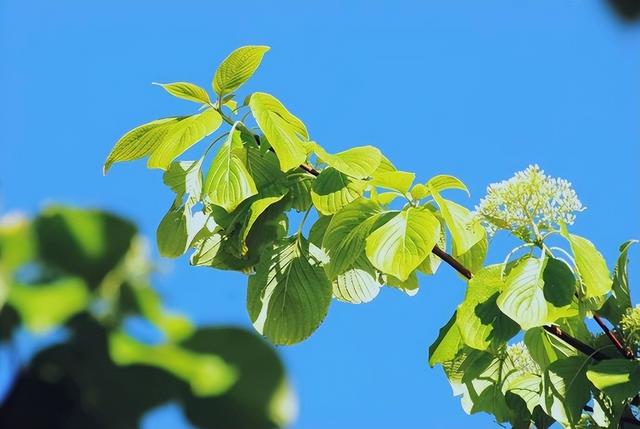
x: 237, y: 68
x: 617, y: 378
x: 465, y: 230
x: 443, y: 182
x: 565, y: 390
x: 590, y: 264
x: 359, y: 162
x: 285, y: 132
x: 400, y: 245
x: 228, y: 181
x: 332, y: 190
x: 344, y: 239
x: 447, y: 345
x: 480, y: 321
x: 187, y: 91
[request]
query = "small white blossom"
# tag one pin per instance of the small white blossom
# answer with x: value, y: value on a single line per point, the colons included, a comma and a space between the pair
x: 630, y: 325
x: 528, y: 204
x: 521, y: 359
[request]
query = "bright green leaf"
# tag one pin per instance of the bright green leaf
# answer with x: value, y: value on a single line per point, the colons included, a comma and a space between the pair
x: 399, y: 246
x: 237, y: 68
x: 480, y: 321
x: 285, y: 132
x: 332, y: 190
x: 442, y: 182
x: 182, y: 135
x: 465, y: 230
x: 448, y: 343
x: 617, y: 378
x: 395, y: 180
x: 590, y: 264
x: 545, y: 348
x: 228, y: 182
x: 358, y: 284
x: 523, y: 297
x: 359, y: 162
x: 187, y: 91
x: 344, y: 239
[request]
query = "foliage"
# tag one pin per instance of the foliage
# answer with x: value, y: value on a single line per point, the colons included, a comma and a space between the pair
x: 84, y: 274
x: 375, y: 227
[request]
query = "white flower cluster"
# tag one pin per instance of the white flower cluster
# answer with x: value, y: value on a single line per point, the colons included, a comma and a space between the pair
x: 521, y: 359
x: 630, y: 325
x: 528, y: 204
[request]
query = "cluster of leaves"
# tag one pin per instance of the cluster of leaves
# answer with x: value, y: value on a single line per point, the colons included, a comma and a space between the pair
x: 82, y: 275
x: 542, y: 379
x: 374, y: 226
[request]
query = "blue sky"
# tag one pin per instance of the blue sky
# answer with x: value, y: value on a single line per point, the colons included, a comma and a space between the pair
x: 474, y: 89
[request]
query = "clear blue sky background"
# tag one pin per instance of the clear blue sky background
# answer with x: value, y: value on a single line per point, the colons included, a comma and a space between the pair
x: 478, y: 89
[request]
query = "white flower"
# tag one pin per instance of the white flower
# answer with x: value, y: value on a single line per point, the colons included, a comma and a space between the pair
x: 521, y: 359
x: 528, y: 204
x: 630, y: 325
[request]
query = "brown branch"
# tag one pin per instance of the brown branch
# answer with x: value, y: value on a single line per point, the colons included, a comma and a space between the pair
x: 616, y: 342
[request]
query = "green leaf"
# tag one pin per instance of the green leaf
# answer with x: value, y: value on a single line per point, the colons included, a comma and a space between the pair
x: 359, y: 162
x: 419, y: 191
x: 182, y: 135
x: 565, y: 390
x: 432, y: 262
x: 395, y: 180
x: 289, y: 296
x: 545, y: 348
x: 590, y: 264
x: 318, y: 230
x: 559, y: 282
x: 263, y: 166
x: 164, y: 139
x: 465, y: 230
x: 344, y: 239
x: 228, y: 182
x: 527, y: 386
x: 333, y: 190
x: 358, y: 284
x: 172, y: 234
x: 617, y: 378
x: 399, y: 246
x: 620, y: 299
x: 257, y: 208
x: 237, y: 68
x: 45, y: 306
x: 299, y: 185
x: 447, y: 345
x: 442, y: 182
x: 473, y: 258
x: 480, y: 321
x: 184, y: 177
x: 410, y: 286
x: 187, y: 91
x: 524, y: 296
x: 285, y: 132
